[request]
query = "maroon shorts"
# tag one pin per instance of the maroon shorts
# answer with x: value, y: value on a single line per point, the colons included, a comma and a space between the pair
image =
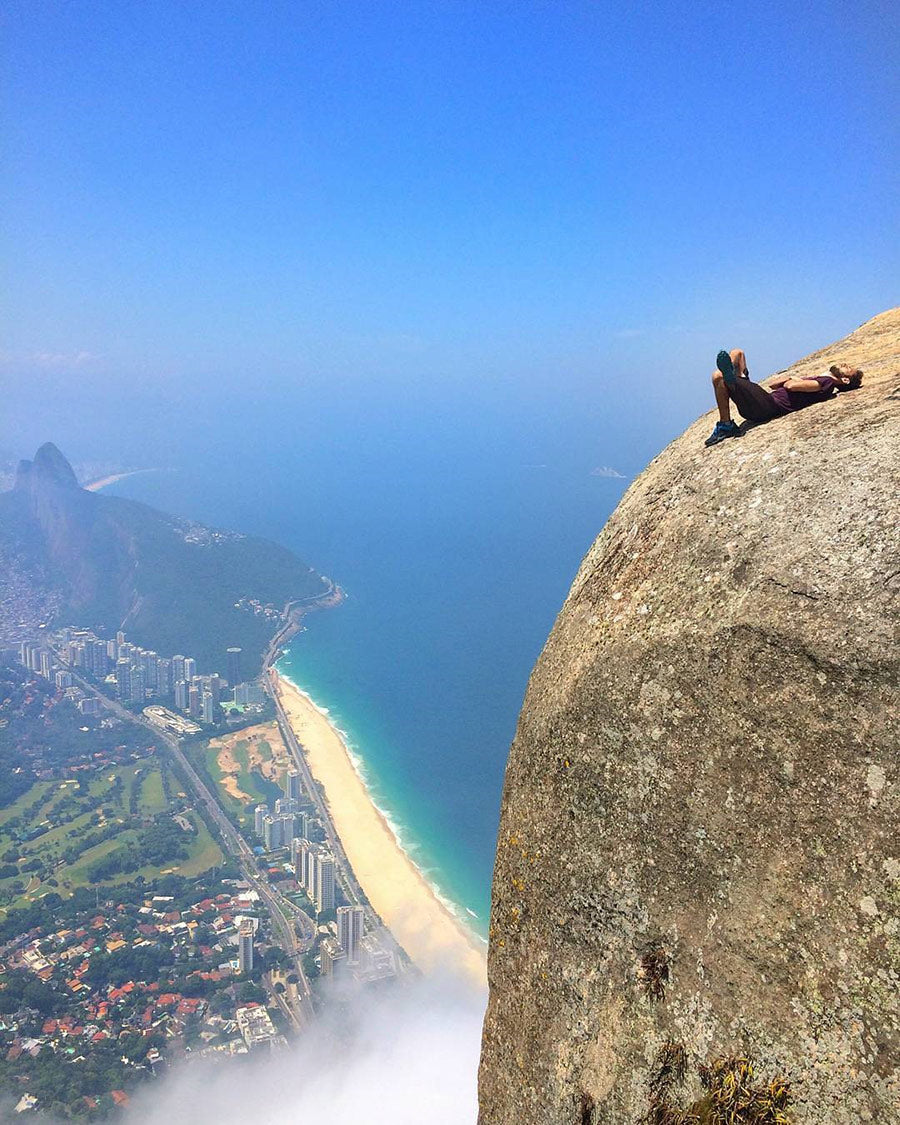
x: 753, y: 401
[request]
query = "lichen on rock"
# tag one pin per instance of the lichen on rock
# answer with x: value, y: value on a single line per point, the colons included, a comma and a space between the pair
x: 704, y: 781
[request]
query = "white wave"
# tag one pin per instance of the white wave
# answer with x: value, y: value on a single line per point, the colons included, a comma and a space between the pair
x: 410, y: 847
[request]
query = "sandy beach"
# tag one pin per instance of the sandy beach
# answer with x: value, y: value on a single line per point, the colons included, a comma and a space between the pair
x: 103, y: 482
x: 435, y: 940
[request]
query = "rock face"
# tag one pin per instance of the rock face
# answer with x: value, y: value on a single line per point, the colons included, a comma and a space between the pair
x: 699, y: 847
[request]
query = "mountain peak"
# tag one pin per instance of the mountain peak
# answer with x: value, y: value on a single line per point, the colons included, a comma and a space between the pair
x: 48, y: 467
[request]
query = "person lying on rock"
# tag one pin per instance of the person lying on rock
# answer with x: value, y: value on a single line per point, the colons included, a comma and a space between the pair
x: 732, y: 384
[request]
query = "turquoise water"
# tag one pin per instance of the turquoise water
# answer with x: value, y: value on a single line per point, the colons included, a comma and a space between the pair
x: 455, y: 536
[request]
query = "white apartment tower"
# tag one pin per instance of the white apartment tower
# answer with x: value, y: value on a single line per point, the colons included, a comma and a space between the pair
x: 350, y: 931
x: 323, y: 894
x: 301, y: 863
x: 271, y: 833
x: 245, y: 946
x: 292, y: 787
x: 208, y: 707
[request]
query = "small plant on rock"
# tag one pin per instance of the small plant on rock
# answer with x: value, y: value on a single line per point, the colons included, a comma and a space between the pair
x: 654, y: 973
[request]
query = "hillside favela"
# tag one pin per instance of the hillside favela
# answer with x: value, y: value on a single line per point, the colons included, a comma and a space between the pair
x: 449, y: 564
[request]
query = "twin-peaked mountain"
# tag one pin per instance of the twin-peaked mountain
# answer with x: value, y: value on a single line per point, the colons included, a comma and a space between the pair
x: 111, y: 563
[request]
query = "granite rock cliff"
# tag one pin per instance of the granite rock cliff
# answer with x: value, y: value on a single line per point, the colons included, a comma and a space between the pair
x: 699, y: 853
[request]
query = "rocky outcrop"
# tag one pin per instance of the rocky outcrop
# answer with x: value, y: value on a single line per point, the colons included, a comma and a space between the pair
x: 699, y: 853
x: 49, y: 467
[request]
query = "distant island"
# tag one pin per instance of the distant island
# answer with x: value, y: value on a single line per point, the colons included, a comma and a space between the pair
x: 69, y: 555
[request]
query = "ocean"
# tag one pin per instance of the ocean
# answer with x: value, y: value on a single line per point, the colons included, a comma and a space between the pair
x: 455, y: 532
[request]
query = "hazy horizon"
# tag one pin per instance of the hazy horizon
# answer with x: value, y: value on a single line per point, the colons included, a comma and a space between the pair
x: 495, y: 205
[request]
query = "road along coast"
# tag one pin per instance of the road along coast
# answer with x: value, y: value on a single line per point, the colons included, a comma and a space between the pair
x: 434, y: 939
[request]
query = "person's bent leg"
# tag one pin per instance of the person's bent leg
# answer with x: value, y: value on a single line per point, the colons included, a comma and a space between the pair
x: 739, y: 360
x: 725, y: 427
x: 723, y: 399
x: 753, y: 402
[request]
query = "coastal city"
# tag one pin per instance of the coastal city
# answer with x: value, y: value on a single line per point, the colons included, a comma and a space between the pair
x: 135, y: 675
x: 172, y: 886
x: 192, y: 863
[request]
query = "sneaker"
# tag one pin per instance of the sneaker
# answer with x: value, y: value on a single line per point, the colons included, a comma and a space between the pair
x: 724, y: 364
x: 723, y: 430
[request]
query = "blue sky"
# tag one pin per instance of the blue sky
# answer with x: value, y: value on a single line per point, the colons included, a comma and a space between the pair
x: 534, y: 197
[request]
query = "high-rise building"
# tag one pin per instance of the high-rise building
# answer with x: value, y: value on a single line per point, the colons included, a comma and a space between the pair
x: 296, y: 843
x: 190, y: 668
x: 46, y: 665
x: 287, y: 827
x: 123, y: 678
x: 246, y: 695
x: 245, y: 946
x: 332, y: 958
x: 233, y: 666
x: 323, y: 894
x: 301, y: 863
x: 194, y: 701
x: 178, y: 668
x: 181, y: 695
x: 350, y: 922
x: 208, y: 708
x: 120, y: 638
x: 272, y: 833
x: 301, y: 825
x: 375, y: 962
x: 309, y: 856
x: 100, y: 665
x: 164, y: 676
x: 259, y: 815
x: 293, y: 789
x: 138, y: 686
x: 149, y: 660
x: 63, y: 680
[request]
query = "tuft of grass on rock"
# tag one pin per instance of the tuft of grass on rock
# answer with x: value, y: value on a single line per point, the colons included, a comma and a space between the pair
x: 733, y: 1096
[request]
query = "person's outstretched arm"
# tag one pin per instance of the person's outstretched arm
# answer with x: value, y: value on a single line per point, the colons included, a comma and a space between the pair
x: 811, y: 386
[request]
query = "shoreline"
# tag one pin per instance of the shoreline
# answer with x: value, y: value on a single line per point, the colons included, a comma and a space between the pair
x: 104, y: 482
x: 435, y: 939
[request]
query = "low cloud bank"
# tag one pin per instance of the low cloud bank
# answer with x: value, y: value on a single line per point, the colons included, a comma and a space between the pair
x: 396, y: 1058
